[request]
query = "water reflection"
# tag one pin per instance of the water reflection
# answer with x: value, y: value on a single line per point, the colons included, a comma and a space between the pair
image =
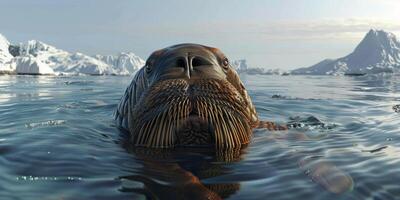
x: 182, y: 173
x: 4, y: 97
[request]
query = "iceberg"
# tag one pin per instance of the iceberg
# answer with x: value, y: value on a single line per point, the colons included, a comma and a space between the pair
x: 36, y: 57
x: 124, y: 63
x: 30, y: 65
x: 378, y: 52
x: 5, y: 55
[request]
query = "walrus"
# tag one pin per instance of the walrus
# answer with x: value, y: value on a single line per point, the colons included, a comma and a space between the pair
x: 189, y: 95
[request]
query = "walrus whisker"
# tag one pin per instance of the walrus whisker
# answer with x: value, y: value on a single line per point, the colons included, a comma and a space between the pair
x: 161, y: 131
x: 238, y: 137
x: 203, y: 109
x: 145, y: 133
x: 142, y: 135
x: 174, y: 121
x: 187, y: 106
x: 160, y: 135
x: 138, y: 137
x: 165, y: 129
x: 234, y: 128
x: 155, y: 135
x: 206, y: 113
x: 247, y: 131
x: 152, y: 131
x: 198, y: 108
x: 231, y: 129
x: 218, y: 125
x: 170, y: 135
x: 240, y: 129
x: 214, y: 102
x: 179, y: 111
x: 149, y: 131
x: 218, y: 130
x: 225, y: 128
x: 217, y: 115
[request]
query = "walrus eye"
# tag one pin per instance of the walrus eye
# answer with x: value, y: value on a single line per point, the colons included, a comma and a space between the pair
x: 225, y: 63
x: 148, y: 68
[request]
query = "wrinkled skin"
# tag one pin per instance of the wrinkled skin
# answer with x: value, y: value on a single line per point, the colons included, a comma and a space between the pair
x: 188, y: 95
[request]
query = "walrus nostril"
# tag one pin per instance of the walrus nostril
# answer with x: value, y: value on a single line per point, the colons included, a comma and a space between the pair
x: 181, y: 63
x: 199, y: 61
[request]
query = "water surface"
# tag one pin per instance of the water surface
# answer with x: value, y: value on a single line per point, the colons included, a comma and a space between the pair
x: 58, y: 141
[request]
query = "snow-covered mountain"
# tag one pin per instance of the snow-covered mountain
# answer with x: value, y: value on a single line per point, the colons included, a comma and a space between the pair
x: 36, y: 57
x: 5, y: 55
x: 62, y: 61
x: 378, y: 52
x: 30, y: 65
x: 124, y: 62
x: 276, y: 72
x: 242, y: 68
x: 239, y: 65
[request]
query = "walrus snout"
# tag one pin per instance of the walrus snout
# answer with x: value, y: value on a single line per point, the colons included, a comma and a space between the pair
x: 190, y: 62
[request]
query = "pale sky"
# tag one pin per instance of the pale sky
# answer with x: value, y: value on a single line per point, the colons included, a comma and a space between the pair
x: 284, y: 34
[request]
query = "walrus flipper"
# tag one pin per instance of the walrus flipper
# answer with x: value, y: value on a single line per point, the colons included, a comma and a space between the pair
x: 271, y: 126
x: 129, y: 100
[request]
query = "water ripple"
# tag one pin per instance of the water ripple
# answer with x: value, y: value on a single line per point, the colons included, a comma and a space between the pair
x: 46, y: 123
x: 58, y: 140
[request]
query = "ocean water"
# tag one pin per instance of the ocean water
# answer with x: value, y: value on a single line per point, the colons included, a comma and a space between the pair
x: 58, y: 141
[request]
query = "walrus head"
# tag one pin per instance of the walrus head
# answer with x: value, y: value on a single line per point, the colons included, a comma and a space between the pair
x: 187, y: 95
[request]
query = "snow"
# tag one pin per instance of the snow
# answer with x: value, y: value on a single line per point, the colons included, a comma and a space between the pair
x: 276, y: 71
x: 5, y: 55
x: 36, y: 57
x: 378, y: 52
x: 30, y: 65
x: 124, y: 63
x: 64, y: 62
x: 239, y: 65
x: 242, y: 68
x: 79, y: 63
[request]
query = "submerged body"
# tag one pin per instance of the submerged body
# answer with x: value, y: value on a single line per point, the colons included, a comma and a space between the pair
x: 188, y: 95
